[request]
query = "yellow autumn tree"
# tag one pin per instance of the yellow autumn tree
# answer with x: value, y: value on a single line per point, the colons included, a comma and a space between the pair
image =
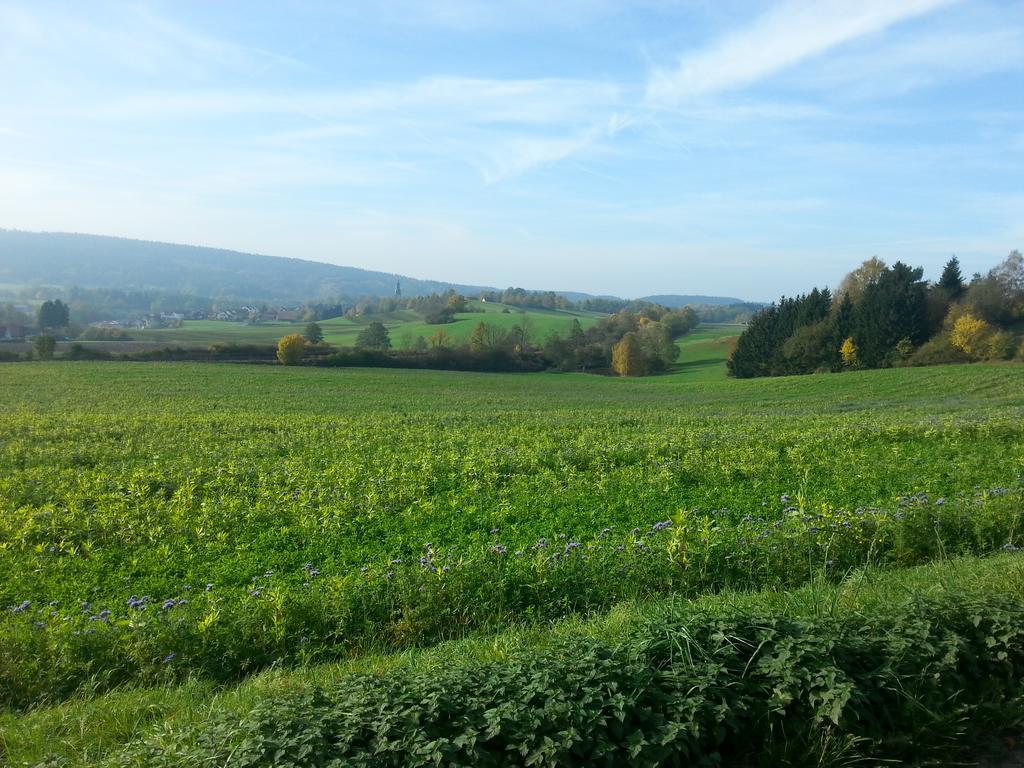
x: 627, y: 356
x: 291, y: 348
x: 848, y: 351
x: 440, y: 339
x: 972, y: 335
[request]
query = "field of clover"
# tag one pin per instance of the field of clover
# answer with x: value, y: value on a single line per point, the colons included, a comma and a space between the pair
x: 160, y: 521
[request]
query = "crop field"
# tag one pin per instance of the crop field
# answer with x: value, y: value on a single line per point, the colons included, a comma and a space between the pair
x: 166, y: 525
x: 703, y: 352
x: 403, y: 325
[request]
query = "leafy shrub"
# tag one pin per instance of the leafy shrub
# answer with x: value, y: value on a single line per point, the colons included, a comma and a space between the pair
x: 291, y: 349
x: 100, y: 333
x: 687, y: 688
x: 439, y: 316
x: 937, y: 351
x: 44, y: 346
x: 81, y: 352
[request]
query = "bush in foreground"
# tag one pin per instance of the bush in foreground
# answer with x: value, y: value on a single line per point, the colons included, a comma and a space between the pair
x: 687, y: 688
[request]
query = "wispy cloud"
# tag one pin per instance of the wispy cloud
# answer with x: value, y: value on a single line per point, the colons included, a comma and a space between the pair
x: 520, y: 155
x: 132, y: 36
x: 946, y: 54
x: 502, y: 127
x: 791, y: 32
x: 476, y: 15
x: 480, y: 100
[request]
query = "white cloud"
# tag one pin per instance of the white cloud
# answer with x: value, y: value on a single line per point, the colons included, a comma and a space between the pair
x: 475, y: 15
x: 479, y: 100
x: 786, y: 35
x: 937, y: 56
x: 519, y: 155
x: 503, y: 128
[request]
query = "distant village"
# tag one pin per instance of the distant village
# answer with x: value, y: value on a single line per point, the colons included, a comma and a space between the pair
x: 19, y: 320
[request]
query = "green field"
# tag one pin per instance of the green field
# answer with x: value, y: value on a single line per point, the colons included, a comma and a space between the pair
x: 703, y: 352
x: 403, y: 325
x: 304, y: 516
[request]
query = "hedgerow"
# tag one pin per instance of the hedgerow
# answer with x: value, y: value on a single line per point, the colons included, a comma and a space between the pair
x: 905, y: 681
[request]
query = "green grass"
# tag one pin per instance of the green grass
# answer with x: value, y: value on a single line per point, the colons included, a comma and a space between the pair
x: 403, y: 325
x: 703, y: 352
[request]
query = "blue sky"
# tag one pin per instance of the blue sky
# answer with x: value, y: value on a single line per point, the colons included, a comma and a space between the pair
x: 738, y: 148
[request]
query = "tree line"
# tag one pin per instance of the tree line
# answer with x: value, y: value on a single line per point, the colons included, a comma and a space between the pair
x: 626, y: 343
x: 883, y: 316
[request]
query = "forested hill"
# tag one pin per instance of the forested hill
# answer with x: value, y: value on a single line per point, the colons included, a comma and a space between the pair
x: 94, y: 261
x: 63, y: 259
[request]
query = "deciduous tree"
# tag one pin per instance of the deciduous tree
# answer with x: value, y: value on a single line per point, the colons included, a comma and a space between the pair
x: 291, y: 348
x: 374, y: 336
x: 627, y: 357
x: 44, y: 346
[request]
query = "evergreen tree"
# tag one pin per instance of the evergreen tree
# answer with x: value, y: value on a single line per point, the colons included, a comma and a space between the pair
x: 755, y: 347
x: 892, y: 308
x: 314, y: 333
x: 952, y: 281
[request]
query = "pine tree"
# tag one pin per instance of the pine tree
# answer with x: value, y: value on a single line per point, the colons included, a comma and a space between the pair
x: 893, y: 308
x: 952, y: 281
x: 314, y: 333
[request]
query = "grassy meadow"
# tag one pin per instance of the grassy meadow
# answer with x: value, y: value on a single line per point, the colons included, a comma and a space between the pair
x: 171, y: 531
x: 403, y: 325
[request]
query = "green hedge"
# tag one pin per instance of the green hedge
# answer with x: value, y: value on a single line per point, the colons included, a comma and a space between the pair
x: 687, y: 688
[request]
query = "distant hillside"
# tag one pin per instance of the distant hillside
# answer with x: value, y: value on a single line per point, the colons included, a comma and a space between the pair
x: 94, y: 261
x: 682, y: 300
